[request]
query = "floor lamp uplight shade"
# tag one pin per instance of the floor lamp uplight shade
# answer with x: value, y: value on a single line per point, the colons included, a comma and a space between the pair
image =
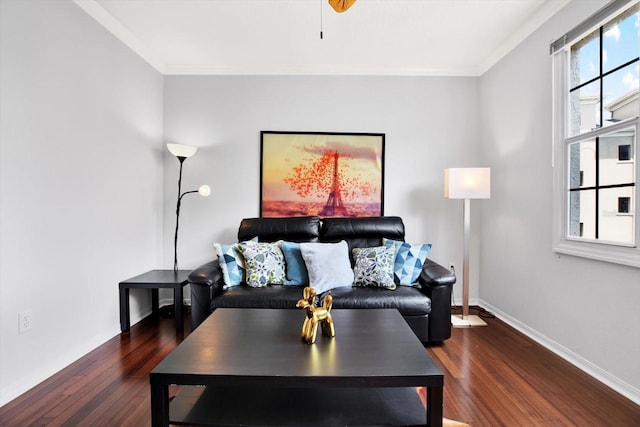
x: 467, y: 184
x: 183, y: 152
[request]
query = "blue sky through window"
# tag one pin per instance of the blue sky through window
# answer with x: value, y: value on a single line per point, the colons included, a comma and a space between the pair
x: 621, y: 43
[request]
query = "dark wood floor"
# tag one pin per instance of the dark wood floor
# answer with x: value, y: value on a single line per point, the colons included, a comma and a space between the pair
x: 494, y: 376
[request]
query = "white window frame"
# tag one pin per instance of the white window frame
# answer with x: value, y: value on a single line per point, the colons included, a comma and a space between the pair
x: 562, y: 242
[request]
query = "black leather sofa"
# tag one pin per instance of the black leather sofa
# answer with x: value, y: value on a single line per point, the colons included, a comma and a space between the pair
x: 427, y: 308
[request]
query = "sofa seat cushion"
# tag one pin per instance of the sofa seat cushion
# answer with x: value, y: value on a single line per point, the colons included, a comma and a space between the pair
x: 408, y: 301
x: 272, y: 296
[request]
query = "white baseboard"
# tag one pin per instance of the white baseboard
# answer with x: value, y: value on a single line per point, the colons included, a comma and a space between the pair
x: 169, y: 301
x: 457, y: 302
x: 611, y: 381
x: 51, y: 367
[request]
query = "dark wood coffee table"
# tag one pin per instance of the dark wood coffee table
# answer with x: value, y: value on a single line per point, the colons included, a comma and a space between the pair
x: 257, y: 371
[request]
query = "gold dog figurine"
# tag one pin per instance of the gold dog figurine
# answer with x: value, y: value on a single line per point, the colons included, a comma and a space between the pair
x: 316, y: 315
x: 308, y: 302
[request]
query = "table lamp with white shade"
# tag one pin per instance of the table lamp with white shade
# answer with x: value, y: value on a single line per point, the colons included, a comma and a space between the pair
x: 467, y: 184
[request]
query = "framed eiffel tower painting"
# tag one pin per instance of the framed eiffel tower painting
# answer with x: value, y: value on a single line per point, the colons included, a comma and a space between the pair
x: 321, y: 173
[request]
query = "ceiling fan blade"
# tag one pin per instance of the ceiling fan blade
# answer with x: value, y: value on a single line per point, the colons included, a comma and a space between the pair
x: 341, y: 5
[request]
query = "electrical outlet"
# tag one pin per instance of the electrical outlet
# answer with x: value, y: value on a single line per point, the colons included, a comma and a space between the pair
x: 25, y: 321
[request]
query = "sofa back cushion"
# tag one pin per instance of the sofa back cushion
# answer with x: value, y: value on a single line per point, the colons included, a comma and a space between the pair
x: 294, y: 229
x: 362, y: 232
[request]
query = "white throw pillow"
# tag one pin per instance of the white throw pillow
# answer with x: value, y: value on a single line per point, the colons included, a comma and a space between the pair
x: 328, y: 265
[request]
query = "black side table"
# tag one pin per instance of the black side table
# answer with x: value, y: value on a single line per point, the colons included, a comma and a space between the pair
x: 154, y: 280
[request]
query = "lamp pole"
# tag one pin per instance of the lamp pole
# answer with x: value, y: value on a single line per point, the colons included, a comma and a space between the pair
x: 175, y: 237
x: 182, y: 152
x: 465, y: 258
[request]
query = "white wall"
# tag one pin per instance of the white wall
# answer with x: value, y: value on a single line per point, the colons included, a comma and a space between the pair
x: 430, y: 124
x: 587, y: 310
x: 80, y: 185
x: 76, y: 216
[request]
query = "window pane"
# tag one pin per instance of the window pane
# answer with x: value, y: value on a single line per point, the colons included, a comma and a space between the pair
x: 620, y: 43
x: 624, y: 204
x: 585, y: 108
x: 624, y: 152
x: 585, y: 59
x: 620, y: 91
x: 615, y: 227
x: 612, y: 171
x: 582, y: 164
x: 582, y: 213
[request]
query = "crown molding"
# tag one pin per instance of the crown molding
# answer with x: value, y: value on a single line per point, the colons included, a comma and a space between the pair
x: 122, y: 33
x: 325, y: 70
x: 112, y: 25
x: 535, y: 21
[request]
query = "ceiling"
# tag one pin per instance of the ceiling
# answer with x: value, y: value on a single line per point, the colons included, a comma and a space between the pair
x: 373, y: 37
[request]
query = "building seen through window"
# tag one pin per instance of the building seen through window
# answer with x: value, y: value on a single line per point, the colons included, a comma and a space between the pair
x: 603, y: 91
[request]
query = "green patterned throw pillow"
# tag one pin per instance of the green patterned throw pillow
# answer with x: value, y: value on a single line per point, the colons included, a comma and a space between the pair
x: 264, y: 263
x: 373, y: 267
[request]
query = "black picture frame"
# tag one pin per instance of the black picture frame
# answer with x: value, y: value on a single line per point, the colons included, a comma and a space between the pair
x: 329, y: 174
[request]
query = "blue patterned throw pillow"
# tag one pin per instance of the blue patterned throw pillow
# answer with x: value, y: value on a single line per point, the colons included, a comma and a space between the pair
x: 231, y: 264
x: 264, y: 264
x: 408, y: 262
x: 373, y: 267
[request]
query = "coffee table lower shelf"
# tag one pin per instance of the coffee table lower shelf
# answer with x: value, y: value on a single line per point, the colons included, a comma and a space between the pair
x: 234, y: 406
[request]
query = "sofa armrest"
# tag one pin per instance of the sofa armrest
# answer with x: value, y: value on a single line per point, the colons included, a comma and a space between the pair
x: 206, y: 283
x: 434, y: 275
x: 207, y: 274
x: 437, y: 282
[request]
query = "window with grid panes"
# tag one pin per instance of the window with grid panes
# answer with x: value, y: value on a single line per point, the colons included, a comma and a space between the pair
x: 596, y: 109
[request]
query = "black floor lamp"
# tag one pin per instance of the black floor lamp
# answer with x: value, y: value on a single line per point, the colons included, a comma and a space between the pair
x: 182, y: 152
